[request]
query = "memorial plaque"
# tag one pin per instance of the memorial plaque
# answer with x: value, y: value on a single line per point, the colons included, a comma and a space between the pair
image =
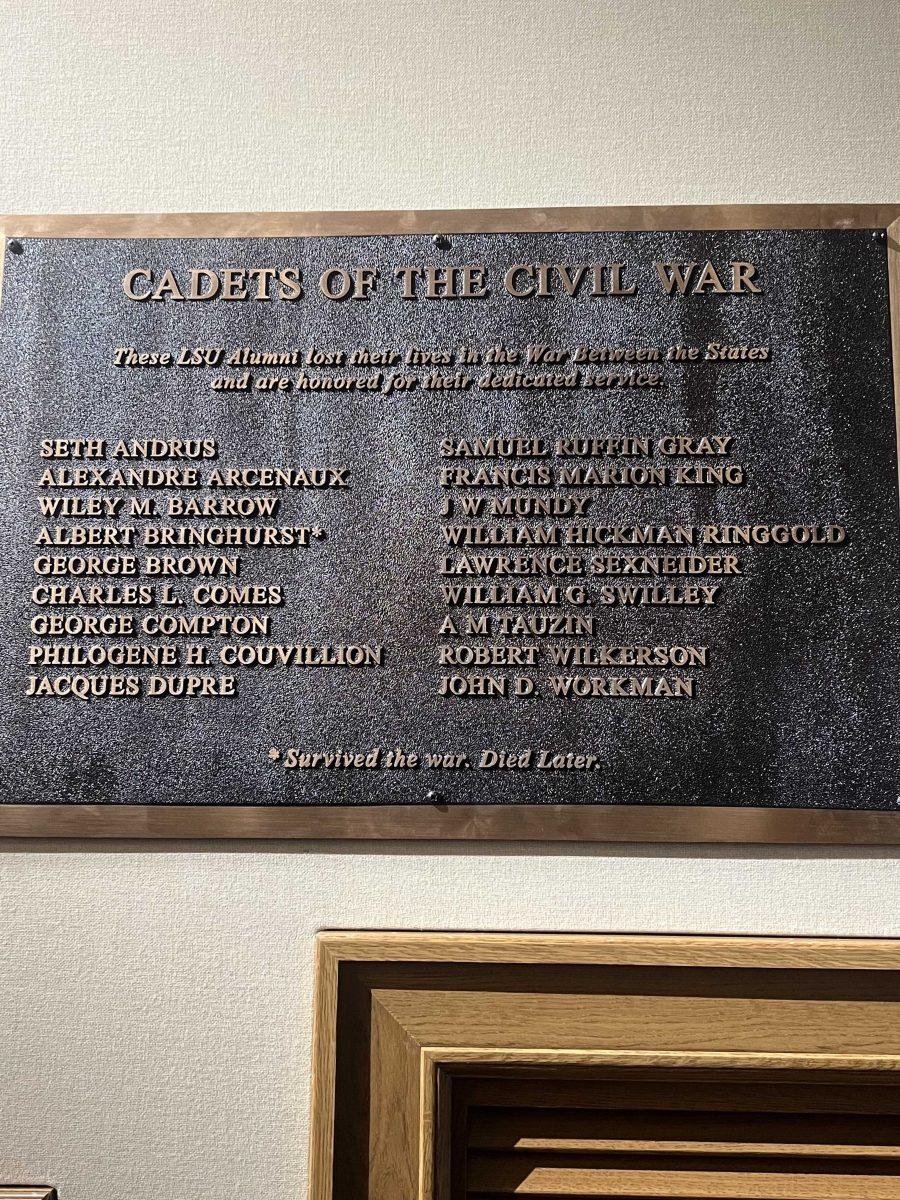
x: 428, y: 513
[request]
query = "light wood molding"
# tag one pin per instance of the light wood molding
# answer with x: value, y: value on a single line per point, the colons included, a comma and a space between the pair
x: 404, y: 1019
x: 27, y: 1193
x: 857, y: 954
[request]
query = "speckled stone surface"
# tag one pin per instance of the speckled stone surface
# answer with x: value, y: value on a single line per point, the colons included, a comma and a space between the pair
x: 799, y: 706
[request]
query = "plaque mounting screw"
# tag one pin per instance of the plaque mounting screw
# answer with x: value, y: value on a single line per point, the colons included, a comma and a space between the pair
x: 442, y: 241
x: 16, y: 247
x: 877, y: 235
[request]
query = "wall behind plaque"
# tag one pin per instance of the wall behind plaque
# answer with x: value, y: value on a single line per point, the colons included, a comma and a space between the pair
x: 155, y: 1000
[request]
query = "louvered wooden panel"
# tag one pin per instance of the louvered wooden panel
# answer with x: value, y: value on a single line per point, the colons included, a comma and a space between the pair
x: 678, y: 1148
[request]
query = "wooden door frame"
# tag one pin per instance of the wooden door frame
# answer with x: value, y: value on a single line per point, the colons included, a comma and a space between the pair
x: 393, y: 1001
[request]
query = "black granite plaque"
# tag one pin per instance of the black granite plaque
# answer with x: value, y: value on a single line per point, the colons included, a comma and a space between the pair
x: 362, y: 550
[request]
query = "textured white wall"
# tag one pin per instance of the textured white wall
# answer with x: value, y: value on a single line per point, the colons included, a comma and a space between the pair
x: 155, y: 1000
x: 286, y: 104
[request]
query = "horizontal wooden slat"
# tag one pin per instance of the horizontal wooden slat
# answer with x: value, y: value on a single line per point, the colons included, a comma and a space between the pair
x: 567, y: 1131
x: 503, y: 1178
x: 674, y: 1161
x: 755, y: 1149
x: 731, y: 1095
x: 708, y: 1133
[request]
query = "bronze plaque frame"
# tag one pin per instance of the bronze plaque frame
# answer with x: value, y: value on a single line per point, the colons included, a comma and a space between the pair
x: 563, y: 823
